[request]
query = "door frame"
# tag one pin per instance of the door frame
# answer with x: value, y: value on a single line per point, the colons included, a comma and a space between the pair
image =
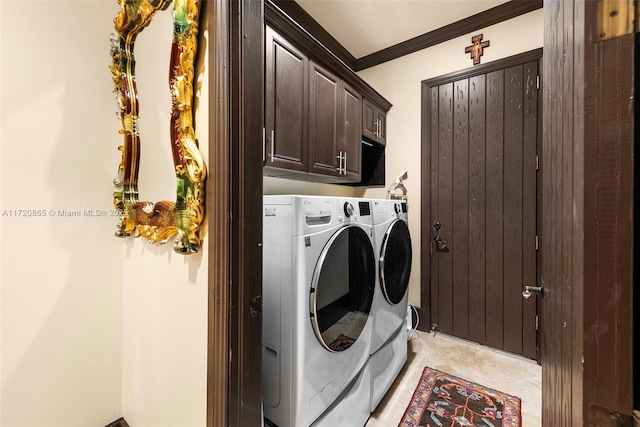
x: 425, y: 179
x: 234, y: 200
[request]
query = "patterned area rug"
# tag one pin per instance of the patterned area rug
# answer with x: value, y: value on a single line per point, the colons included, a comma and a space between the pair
x: 443, y: 400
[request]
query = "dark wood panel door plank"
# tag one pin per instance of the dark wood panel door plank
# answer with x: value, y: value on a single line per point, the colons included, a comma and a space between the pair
x: 529, y: 207
x: 434, y: 128
x: 445, y: 206
x: 477, y: 208
x: 565, y: 285
x: 550, y: 337
x: 609, y: 371
x: 460, y: 225
x: 512, y: 214
x: 494, y: 209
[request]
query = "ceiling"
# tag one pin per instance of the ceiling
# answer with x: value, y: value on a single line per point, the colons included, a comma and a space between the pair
x: 367, y: 26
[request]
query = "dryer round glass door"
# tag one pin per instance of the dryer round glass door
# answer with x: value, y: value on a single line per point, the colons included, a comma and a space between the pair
x: 395, y: 262
x: 342, y: 288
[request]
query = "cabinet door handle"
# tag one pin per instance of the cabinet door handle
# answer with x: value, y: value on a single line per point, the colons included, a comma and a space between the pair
x: 339, y: 157
x: 375, y: 128
x: 344, y: 169
x: 273, y: 143
x: 264, y: 144
x: 380, y: 129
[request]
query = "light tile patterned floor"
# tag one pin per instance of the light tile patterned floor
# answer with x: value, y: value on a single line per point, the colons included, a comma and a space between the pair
x: 483, y: 365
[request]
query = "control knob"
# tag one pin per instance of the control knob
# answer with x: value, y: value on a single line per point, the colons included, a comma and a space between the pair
x: 348, y: 209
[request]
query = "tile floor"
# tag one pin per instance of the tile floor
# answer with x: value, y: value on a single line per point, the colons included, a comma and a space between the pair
x: 483, y: 365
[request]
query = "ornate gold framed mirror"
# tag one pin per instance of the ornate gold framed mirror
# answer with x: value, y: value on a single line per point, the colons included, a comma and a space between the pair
x: 160, y: 221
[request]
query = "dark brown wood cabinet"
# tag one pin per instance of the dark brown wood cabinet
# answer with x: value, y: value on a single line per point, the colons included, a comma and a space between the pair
x: 351, y: 132
x: 324, y: 116
x: 334, y: 126
x: 286, y: 108
x: 326, y: 143
x: 313, y: 118
x: 374, y: 122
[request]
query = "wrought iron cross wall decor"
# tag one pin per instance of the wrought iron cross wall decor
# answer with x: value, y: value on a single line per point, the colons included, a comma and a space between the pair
x: 161, y: 221
x: 477, y: 48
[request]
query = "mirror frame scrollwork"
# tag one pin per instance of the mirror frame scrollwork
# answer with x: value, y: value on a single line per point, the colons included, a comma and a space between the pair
x: 161, y: 221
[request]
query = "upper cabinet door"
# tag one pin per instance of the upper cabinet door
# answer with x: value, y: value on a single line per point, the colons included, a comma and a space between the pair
x: 350, y: 134
x: 374, y: 122
x: 324, y: 125
x: 369, y: 119
x: 285, y: 104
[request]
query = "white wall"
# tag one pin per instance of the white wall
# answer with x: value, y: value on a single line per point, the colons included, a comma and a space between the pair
x: 62, y: 277
x: 400, y: 82
x: 92, y: 327
x: 273, y: 185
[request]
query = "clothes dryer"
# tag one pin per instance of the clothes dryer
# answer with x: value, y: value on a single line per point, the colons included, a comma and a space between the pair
x: 389, y: 340
x: 319, y: 275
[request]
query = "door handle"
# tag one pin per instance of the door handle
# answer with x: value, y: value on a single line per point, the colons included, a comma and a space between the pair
x: 344, y: 167
x: 526, y: 294
x: 440, y: 243
x: 264, y: 144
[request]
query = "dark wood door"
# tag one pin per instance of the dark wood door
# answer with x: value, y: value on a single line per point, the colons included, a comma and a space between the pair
x: 350, y: 132
x: 324, y: 99
x: 285, y: 104
x: 482, y: 132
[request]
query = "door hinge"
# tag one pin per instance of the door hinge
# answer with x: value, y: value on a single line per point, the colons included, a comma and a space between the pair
x: 537, y: 162
x: 537, y: 243
x: 256, y: 306
x: 536, y: 322
x: 538, y: 82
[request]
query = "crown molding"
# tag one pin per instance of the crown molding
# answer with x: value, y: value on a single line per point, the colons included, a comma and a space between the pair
x: 476, y: 22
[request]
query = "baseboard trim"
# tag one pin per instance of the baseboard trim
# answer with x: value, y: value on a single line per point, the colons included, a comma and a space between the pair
x: 118, y: 423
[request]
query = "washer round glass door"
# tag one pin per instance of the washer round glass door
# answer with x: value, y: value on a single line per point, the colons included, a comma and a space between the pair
x: 395, y: 262
x: 342, y: 288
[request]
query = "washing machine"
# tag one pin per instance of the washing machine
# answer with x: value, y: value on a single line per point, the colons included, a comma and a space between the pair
x: 319, y: 276
x: 390, y: 340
